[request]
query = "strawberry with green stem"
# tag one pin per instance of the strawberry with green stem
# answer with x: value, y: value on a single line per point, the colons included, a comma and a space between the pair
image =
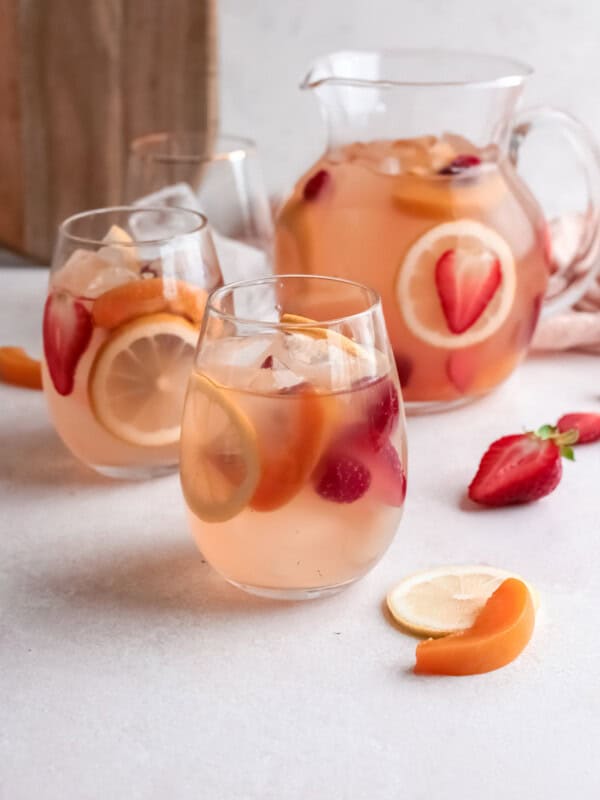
x: 522, y: 467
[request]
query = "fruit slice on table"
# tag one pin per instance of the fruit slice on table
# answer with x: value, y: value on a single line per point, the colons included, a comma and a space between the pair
x: 18, y: 368
x: 220, y: 466
x: 499, y: 634
x: 456, y: 285
x: 67, y: 329
x: 138, y: 379
x: 587, y: 426
x: 290, y: 445
x: 149, y: 296
x: 335, y: 338
x: 445, y: 600
x: 522, y: 467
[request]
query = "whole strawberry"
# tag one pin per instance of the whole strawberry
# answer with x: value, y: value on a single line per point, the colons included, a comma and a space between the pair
x: 522, y: 468
x: 587, y: 426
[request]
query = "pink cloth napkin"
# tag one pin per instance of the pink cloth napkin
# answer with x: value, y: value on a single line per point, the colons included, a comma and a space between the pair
x: 577, y: 328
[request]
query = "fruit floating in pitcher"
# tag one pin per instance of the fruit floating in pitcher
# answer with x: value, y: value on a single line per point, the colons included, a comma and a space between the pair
x: 447, y: 236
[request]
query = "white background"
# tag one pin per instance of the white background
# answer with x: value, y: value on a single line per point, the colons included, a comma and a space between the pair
x: 268, y: 45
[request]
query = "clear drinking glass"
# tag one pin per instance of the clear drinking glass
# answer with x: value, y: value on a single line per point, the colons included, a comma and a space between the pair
x: 293, y: 445
x: 222, y: 179
x: 125, y: 301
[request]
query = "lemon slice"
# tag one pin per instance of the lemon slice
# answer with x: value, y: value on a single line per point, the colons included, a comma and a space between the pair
x: 138, y: 379
x: 447, y: 599
x: 334, y: 337
x: 220, y: 463
x: 416, y: 288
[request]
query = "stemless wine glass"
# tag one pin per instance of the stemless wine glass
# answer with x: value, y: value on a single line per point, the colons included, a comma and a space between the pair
x: 222, y: 179
x: 125, y: 301
x: 293, y: 446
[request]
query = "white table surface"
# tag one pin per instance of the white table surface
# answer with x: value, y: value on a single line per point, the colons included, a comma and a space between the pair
x: 130, y: 670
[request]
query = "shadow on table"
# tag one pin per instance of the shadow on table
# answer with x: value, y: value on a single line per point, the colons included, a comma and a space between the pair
x: 38, y: 457
x: 168, y: 581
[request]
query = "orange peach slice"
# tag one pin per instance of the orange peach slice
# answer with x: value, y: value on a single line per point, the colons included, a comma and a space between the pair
x: 18, y: 368
x: 151, y: 296
x: 289, y: 454
x: 499, y: 634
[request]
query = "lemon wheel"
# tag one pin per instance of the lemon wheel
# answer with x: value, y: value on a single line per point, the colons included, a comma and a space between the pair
x: 418, y: 297
x: 220, y: 463
x: 138, y: 379
x: 447, y: 599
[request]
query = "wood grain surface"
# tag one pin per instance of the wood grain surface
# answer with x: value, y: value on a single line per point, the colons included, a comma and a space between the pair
x: 79, y: 80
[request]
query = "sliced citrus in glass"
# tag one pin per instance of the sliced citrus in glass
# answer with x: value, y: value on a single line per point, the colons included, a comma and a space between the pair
x: 138, y: 379
x: 498, y: 635
x: 310, y: 327
x: 416, y: 290
x: 440, y: 601
x: 290, y: 443
x: 219, y: 458
x: 149, y: 296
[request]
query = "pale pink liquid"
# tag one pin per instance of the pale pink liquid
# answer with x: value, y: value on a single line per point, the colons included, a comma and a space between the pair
x: 377, y: 200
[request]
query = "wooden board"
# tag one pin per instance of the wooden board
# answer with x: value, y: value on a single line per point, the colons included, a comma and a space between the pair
x: 79, y: 80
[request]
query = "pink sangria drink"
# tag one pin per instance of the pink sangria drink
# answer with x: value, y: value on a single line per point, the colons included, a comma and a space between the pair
x: 121, y: 322
x: 293, y: 450
x: 418, y: 195
x: 454, y: 245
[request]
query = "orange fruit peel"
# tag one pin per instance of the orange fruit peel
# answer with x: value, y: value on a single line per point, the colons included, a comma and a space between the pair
x: 499, y: 634
x: 149, y: 296
x: 19, y: 369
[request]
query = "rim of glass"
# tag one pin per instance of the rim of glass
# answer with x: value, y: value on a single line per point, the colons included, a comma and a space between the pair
x: 516, y: 72
x: 374, y: 301
x: 240, y: 148
x: 200, y: 220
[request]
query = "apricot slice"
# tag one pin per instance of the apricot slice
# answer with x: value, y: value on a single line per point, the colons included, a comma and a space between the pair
x: 499, y: 634
x: 150, y: 296
x: 290, y: 448
x: 18, y: 368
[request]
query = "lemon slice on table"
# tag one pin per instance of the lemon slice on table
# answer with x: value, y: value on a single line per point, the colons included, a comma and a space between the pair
x: 416, y: 290
x: 137, y: 382
x: 219, y: 457
x: 440, y: 601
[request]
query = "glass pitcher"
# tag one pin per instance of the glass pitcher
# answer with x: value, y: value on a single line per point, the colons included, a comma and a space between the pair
x: 418, y: 195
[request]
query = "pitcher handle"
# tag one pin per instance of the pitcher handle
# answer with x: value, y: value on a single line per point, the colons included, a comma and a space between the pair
x: 587, y: 254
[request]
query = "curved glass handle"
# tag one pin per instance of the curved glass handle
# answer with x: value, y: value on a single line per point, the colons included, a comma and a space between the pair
x: 586, y: 261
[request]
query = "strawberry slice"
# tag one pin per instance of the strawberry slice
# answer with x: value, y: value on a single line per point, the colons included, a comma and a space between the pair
x: 461, y: 368
x: 67, y: 330
x: 521, y: 468
x: 466, y: 280
x: 586, y: 425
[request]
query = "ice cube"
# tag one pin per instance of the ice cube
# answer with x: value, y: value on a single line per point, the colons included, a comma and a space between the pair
x: 120, y: 249
x: 88, y: 274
